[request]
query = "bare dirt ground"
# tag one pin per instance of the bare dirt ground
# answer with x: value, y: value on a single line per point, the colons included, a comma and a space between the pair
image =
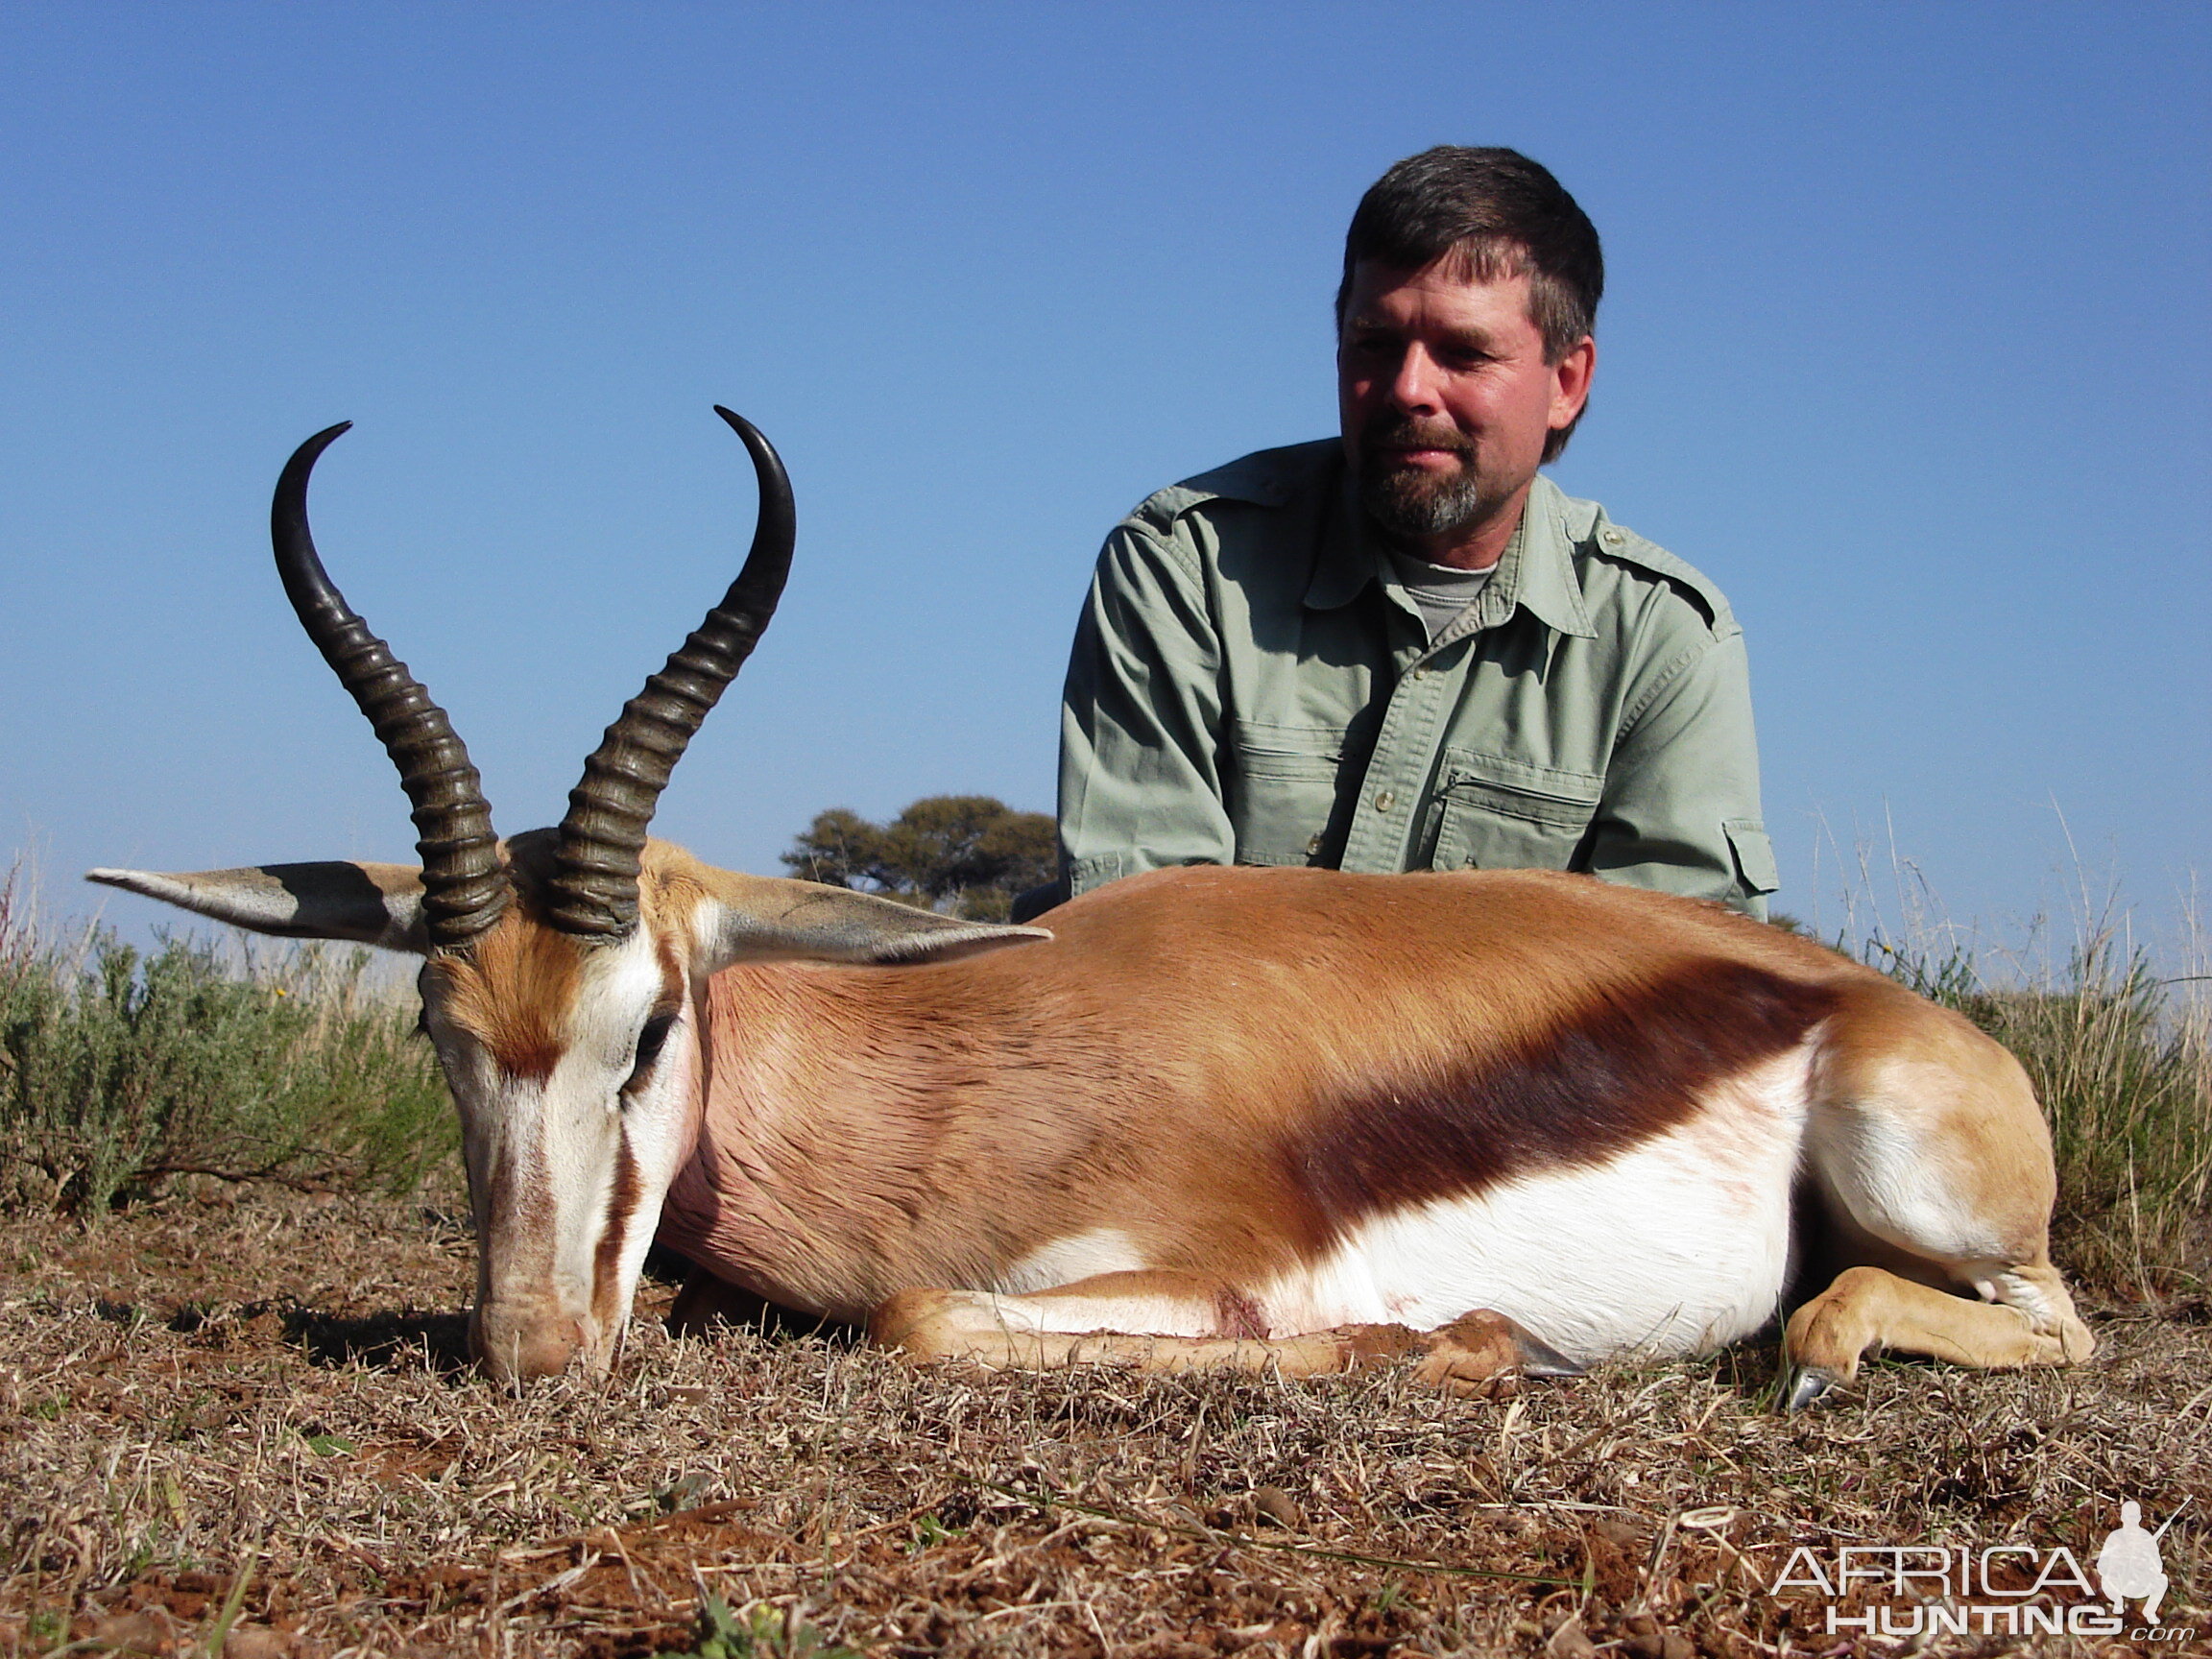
x: 244, y: 1426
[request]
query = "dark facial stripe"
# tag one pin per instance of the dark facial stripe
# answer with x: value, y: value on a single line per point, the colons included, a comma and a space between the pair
x: 1627, y: 1065
x: 607, y: 1261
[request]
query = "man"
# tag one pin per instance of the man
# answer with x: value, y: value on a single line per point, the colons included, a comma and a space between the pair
x: 1405, y: 648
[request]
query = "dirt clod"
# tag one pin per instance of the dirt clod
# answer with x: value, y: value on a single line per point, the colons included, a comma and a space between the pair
x: 256, y: 1641
x: 1571, y: 1642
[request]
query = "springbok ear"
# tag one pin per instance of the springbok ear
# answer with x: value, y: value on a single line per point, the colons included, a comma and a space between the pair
x: 770, y: 918
x: 371, y: 903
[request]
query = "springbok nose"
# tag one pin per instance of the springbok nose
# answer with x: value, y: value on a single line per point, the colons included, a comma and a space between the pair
x: 518, y: 1343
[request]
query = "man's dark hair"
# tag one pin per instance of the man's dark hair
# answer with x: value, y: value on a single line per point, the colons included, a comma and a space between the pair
x: 1494, y: 213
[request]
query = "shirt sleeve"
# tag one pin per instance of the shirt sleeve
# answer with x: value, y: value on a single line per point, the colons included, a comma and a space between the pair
x: 1140, y: 719
x: 1680, y: 810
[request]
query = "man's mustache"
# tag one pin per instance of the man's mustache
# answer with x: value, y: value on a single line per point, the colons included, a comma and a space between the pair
x: 1404, y: 432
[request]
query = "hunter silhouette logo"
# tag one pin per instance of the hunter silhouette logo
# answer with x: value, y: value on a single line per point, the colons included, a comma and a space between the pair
x: 2128, y: 1565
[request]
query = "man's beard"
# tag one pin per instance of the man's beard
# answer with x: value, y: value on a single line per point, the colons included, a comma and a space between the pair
x: 1411, y: 501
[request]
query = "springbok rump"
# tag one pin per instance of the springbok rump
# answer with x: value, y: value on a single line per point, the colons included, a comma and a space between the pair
x: 1284, y: 1118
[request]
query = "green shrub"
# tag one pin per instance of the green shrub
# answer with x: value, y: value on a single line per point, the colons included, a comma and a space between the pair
x: 118, y: 1068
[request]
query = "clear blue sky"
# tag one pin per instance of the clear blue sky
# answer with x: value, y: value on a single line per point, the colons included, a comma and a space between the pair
x: 1907, y: 345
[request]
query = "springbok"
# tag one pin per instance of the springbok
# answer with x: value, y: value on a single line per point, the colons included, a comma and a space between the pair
x: 1213, y: 1117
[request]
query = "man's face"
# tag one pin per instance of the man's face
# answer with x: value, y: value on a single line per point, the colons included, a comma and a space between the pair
x: 1447, y: 403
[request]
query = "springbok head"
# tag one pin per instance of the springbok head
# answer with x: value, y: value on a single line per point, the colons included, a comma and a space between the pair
x: 565, y: 969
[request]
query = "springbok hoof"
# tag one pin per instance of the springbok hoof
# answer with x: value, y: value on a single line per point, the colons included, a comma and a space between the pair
x: 1806, y: 1384
x: 1539, y: 1359
x: 1482, y: 1345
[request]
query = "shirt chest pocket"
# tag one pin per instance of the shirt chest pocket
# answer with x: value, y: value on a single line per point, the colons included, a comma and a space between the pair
x: 1284, y: 793
x: 1502, y: 814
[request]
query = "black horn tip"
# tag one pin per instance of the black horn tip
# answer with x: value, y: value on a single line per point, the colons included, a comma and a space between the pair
x: 763, y: 452
x: 306, y: 454
x: 289, y: 511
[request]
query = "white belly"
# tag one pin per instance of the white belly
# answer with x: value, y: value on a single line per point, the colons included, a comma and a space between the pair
x: 1679, y: 1245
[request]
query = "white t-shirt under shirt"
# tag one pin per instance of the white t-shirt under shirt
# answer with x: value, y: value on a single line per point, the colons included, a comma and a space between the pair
x: 1440, y: 592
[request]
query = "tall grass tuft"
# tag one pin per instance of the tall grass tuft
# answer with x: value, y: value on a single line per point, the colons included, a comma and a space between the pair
x: 2122, y: 1061
x: 119, y: 1069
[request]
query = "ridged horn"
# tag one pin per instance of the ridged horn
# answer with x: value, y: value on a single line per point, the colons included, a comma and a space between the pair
x: 593, y: 890
x: 464, y: 887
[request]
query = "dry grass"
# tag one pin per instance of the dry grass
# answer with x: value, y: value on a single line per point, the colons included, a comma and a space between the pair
x: 236, y: 1419
x: 2124, y: 1073
x: 269, y: 1388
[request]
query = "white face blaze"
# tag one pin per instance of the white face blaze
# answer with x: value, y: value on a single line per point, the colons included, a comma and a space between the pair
x: 572, y: 1136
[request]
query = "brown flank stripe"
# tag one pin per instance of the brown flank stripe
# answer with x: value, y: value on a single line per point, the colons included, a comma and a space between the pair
x: 1627, y: 1065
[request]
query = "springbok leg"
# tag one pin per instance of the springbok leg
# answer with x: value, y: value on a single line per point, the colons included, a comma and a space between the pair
x: 1177, y: 1322
x: 1870, y: 1307
x: 1933, y: 1163
x: 706, y: 1302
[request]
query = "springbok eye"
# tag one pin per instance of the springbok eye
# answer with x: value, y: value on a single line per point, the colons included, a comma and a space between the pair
x: 650, y: 1042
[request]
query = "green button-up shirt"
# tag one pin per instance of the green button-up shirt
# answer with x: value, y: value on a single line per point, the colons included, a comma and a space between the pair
x: 1250, y: 684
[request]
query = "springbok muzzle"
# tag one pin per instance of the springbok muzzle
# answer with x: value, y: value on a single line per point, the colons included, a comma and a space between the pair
x: 518, y: 1341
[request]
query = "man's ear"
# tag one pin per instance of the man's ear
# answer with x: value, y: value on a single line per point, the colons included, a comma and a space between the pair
x: 770, y: 918
x: 1571, y: 378
x: 371, y: 903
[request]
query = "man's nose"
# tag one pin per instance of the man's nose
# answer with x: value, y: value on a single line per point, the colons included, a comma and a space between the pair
x: 1415, y: 385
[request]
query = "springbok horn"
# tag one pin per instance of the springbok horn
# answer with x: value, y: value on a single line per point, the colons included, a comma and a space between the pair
x: 593, y: 890
x: 464, y: 887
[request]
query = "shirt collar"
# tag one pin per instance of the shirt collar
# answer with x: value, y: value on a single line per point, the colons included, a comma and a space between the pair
x: 1536, y: 570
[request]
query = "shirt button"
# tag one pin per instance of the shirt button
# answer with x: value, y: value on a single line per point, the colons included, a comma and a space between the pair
x: 1613, y: 537
x: 1313, y: 846
x: 1385, y: 800
x: 1420, y: 673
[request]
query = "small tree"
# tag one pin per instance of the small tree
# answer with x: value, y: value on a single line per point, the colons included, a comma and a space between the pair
x: 962, y: 854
